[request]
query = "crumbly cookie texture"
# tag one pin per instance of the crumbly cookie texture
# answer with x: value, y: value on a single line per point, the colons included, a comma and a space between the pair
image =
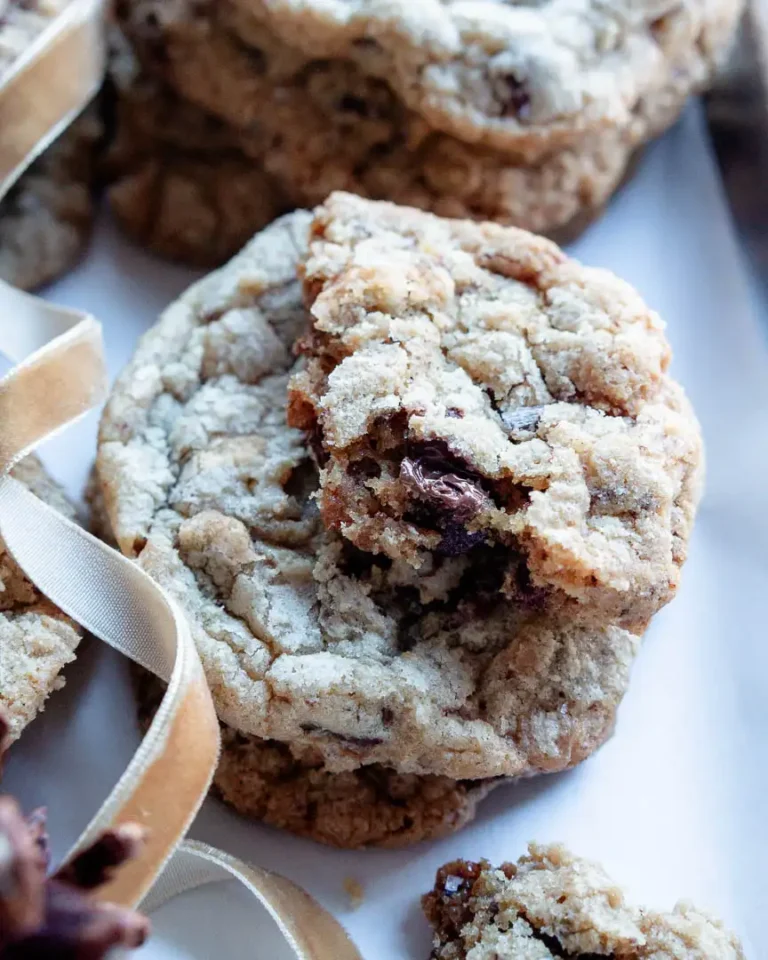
x: 305, y: 638
x: 46, y: 218
x: 476, y: 397
x: 551, y: 904
x: 318, y: 117
x: 36, y: 639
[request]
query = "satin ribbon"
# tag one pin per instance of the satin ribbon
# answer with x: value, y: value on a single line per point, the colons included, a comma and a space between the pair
x: 58, y: 377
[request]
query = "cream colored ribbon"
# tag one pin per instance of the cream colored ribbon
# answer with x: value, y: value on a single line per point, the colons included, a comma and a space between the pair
x: 58, y: 377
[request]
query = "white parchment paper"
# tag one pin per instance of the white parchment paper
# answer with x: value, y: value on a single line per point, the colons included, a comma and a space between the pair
x: 675, y: 805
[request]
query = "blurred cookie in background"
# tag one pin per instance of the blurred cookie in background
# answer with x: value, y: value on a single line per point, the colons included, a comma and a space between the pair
x: 47, y: 216
x: 525, y: 115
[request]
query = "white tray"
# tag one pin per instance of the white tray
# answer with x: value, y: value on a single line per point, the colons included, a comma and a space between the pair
x: 674, y: 806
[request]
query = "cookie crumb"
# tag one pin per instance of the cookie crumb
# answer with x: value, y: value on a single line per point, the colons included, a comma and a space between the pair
x: 355, y: 892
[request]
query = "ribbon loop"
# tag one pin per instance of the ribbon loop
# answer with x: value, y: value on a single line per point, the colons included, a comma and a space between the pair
x: 59, y: 376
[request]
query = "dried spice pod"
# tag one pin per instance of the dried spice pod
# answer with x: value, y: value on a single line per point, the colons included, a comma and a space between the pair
x: 55, y: 917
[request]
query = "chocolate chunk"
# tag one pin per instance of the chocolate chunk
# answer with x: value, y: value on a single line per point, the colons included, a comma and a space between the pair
x: 433, y: 480
x: 522, y: 420
x: 457, y: 540
x: 454, y: 413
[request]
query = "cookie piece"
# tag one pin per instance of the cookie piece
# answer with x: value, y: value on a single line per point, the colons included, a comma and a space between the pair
x: 317, y: 122
x: 551, y: 904
x: 305, y: 639
x: 473, y: 393
x: 36, y: 639
x: 262, y: 779
x: 47, y: 216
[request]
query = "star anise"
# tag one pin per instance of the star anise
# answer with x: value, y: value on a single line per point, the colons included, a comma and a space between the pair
x: 55, y: 917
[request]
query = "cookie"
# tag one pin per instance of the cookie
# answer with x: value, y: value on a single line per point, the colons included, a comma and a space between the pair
x: 305, y: 638
x: 47, y: 216
x: 177, y: 167
x: 475, y: 397
x: 316, y: 120
x: 179, y: 183
x: 36, y: 639
x: 551, y: 904
x: 263, y: 779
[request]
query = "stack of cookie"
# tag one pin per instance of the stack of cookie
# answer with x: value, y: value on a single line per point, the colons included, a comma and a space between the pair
x: 523, y: 113
x: 420, y: 558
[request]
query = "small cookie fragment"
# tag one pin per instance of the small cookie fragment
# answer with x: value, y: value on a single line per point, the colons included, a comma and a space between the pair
x: 36, y: 639
x: 551, y: 905
x: 47, y: 216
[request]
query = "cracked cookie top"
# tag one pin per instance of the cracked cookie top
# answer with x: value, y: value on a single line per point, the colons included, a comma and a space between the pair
x: 529, y: 75
x: 550, y: 905
x: 306, y: 638
x: 471, y: 392
x: 36, y: 638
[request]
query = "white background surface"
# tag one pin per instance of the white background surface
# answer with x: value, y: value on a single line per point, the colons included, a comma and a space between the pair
x: 674, y: 806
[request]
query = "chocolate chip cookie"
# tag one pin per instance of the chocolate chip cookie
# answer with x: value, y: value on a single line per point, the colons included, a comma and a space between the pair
x: 477, y: 399
x: 36, y: 639
x: 551, y: 904
x: 467, y: 665
x: 526, y: 114
x: 47, y: 216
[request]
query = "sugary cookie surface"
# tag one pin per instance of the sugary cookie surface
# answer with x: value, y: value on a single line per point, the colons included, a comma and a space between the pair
x: 476, y: 398
x: 551, y: 905
x: 307, y: 639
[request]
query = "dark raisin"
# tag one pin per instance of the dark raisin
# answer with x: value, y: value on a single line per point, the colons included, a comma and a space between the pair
x: 451, y: 493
